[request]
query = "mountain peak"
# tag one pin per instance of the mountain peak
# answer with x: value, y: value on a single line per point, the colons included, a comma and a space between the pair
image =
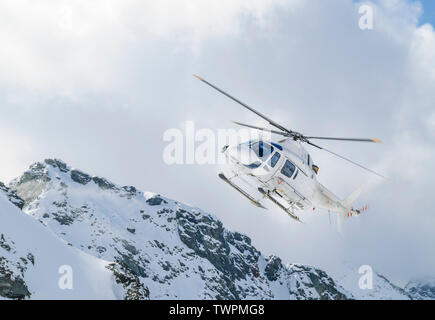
x: 55, y: 173
x: 57, y: 163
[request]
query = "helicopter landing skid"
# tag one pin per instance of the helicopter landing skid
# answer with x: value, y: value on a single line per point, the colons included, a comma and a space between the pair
x: 243, y: 192
x: 287, y: 210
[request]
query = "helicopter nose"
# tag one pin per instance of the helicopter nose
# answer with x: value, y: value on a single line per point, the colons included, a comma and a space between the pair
x: 233, y: 152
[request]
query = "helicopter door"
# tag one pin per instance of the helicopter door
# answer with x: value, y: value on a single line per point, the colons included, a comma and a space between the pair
x: 283, y: 179
x: 288, y: 169
x: 286, y: 181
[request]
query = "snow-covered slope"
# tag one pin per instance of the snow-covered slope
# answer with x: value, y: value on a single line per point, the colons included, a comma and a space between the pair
x: 381, y: 288
x: 30, y: 258
x: 157, y: 246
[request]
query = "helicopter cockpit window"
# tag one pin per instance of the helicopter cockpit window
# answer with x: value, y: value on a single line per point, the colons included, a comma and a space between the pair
x: 261, y: 149
x: 274, y: 159
x: 288, y: 169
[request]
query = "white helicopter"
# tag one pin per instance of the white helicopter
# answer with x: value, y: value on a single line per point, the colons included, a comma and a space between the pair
x: 284, y: 171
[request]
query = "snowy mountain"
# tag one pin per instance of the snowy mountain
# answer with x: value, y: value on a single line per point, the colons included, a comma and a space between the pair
x: 382, y: 289
x: 125, y: 244
x: 421, y: 289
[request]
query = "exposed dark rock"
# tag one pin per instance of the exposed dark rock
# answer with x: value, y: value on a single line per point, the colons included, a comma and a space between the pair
x: 135, y: 290
x: 273, y: 267
x: 13, y: 288
x: 63, y: 218
x: 80, y: 177
x: 199, y: 234
x: 130, y: 190
x: 129, y: 263
x: 103, y: 183
x: 129, y: 247
x: 208, y: 239
x: 156, y: 201
x: 12, y: 196
x: 57, y: 164
x: 4, y: 244
x: 31, y: 258
x: 101, y: 249
x: 12, y: 285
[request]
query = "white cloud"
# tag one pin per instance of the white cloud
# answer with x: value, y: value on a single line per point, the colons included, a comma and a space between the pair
x: 66, y: 46
x: 422, y: 51
x: 97, y: 83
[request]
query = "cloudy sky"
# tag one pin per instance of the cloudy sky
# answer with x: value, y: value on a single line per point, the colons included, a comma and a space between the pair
x: 97, y: 84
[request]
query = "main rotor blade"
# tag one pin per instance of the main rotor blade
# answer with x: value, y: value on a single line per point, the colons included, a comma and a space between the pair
x: 273, y: 123
x: 261, y: 129
x: 346, y: 139
x: 344, y: 158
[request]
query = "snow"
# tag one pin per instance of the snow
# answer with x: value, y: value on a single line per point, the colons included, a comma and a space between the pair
x: 422, y: 288
x: 348, y: 276
x: 91, y: 279
x: 90, y: 225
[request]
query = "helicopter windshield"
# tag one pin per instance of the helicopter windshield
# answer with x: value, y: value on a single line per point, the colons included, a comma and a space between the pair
x: 262, y: 150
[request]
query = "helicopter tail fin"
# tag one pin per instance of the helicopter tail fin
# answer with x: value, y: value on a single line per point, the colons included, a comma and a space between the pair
x: 345, y: 209
x: 350, y: 199
x: 347, y: 204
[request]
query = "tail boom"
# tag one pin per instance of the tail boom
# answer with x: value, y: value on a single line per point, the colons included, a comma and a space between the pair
x: 327, y: 200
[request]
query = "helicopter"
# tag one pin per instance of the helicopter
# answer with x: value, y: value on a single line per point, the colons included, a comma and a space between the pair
x: 283, y: 171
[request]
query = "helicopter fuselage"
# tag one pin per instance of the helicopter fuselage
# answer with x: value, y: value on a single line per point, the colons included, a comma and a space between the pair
x: 283, y: 171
